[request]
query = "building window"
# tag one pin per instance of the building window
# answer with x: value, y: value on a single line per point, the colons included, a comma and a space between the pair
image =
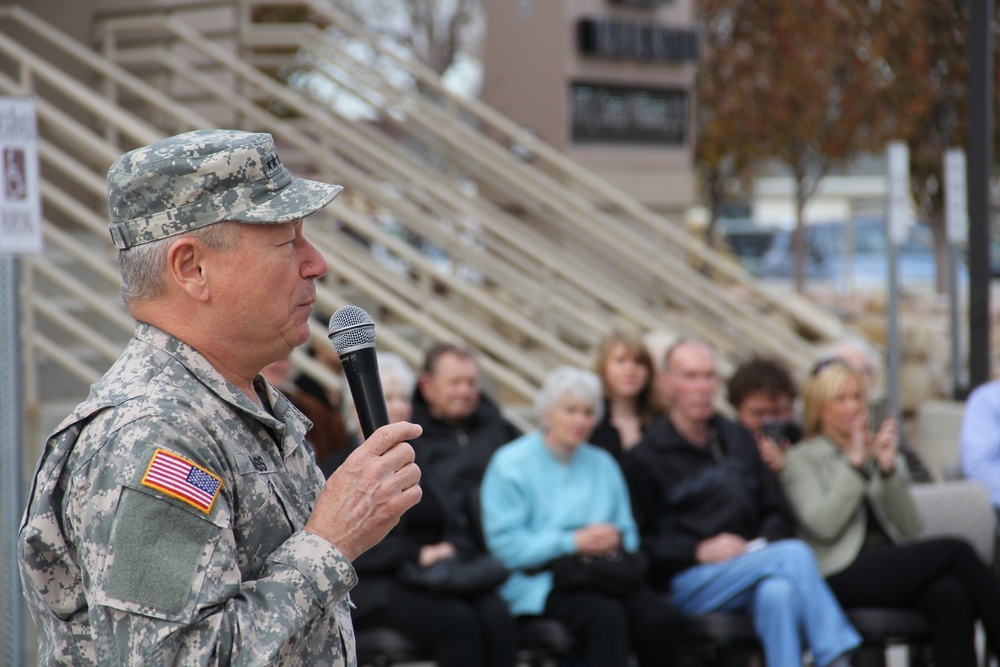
x: 628, y: 115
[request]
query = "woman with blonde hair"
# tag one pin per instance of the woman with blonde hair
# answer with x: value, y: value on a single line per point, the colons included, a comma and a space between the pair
x: 631, y: 400
x: 848, y: 488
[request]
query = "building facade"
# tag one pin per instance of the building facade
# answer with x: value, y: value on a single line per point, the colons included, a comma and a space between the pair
x: 608, y: 82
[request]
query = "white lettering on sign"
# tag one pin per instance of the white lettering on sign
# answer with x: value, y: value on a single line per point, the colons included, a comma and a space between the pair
x: 20, y: 202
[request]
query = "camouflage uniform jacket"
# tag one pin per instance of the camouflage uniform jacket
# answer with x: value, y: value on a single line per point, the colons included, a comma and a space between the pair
x: 124, y: 561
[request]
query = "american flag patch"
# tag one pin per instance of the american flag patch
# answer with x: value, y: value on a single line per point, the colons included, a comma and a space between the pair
x: 183, y: 480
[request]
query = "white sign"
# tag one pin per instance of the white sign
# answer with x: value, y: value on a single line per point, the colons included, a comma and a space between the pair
x: 899, y: 191
x: 20, y: 200
x: 956, y: 206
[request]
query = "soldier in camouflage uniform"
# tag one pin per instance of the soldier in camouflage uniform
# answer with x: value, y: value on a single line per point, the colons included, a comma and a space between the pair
x: 177, y: 516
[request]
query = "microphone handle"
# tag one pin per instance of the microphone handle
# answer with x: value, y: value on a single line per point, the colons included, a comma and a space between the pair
x: 366, y: 388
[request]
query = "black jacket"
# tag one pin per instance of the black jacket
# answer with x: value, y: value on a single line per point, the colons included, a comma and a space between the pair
x: 607, y: 437
x: 431, y: 521
x: 458, y: 455
x: 683, y: 494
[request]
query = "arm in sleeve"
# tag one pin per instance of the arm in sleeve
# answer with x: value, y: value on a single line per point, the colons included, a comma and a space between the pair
x: 169, y: 583
x: 891, y: 495
x: 979, y: 443
x: 507, y: 510
x: 623, y: 509
x: 387, y: 556
x: 824, y: 495
x: 775, y: 515
x: 225, y: 616
x: 666, y: 545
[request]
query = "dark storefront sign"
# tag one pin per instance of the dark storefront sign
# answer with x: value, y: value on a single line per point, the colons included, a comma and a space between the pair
x: 628, y: 115
x: 636, y: 40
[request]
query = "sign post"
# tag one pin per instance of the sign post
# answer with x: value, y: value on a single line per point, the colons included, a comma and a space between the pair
x: 899, y: 223
x: 20, y: 234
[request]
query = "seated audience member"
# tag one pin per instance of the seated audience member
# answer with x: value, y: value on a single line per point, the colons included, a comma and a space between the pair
x: 549, y: 494
x: 328, y: 435
x: 462, y: 426
x: 860, y: 354
x: 762, y: 391
x: 713, y: 520
x: 631, y: 400
x: 979, y: 443
x: 398, y: 381
x: 849, y: 490
x: 462, y: 631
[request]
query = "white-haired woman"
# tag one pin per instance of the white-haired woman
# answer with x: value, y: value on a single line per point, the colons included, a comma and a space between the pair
x: 398, y: 381
x: 550, y: 494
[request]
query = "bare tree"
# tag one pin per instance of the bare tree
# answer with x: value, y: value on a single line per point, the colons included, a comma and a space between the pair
x: 438, y: 33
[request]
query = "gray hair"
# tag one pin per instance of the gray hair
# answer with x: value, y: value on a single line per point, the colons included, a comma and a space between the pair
x: 142, y: 266
x: 569, y: 381
x: 391, y: 365
x: 859, y: 345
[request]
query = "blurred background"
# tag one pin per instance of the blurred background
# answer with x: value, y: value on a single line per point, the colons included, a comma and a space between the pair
x: 529, y: 175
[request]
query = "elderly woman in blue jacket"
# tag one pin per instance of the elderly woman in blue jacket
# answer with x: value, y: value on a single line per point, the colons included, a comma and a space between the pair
x: 550, y: 494
x: 848, y: 487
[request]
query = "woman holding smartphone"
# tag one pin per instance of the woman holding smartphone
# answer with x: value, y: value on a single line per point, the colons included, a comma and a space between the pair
x: 849, y: 490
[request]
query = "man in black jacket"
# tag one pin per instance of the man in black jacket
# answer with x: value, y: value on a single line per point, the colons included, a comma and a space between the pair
x: 462, y: 427
x: 713, y: 521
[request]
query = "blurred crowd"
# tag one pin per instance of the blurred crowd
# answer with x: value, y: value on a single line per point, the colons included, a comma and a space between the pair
x: 636, y: 502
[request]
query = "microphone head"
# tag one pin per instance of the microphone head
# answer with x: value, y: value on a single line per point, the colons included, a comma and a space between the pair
x: 351, y: 328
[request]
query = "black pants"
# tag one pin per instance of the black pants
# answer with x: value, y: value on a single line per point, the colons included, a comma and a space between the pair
x: 944, y: 578
x: 610, y: 627
x: 460, y: 632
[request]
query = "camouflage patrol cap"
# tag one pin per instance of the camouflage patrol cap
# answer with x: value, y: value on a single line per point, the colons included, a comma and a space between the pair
x: 199, y: 178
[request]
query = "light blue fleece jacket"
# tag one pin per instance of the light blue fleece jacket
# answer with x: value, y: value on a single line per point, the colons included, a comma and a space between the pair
x: 532, y: 503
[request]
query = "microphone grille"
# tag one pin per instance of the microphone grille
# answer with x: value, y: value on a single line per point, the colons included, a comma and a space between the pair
x: 351, y: 328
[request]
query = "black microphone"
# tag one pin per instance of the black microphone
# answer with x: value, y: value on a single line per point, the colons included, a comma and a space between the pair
x: 352, y: 333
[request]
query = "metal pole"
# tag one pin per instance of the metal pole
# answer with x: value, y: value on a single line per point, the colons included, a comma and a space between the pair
x: 11, y: 462
x: 980, y: 151
x: 956, y: 210
x: 959, y: 372
x: 897, y: 227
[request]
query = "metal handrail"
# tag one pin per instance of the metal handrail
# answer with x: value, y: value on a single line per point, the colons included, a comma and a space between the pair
x: 492, y: 123
x: 690, y: 289
x: 523, y: 269
x: 701, y: 294
x: 193, y: 42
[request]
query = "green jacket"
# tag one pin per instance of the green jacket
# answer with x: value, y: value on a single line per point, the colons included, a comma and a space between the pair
x: 826, y: 495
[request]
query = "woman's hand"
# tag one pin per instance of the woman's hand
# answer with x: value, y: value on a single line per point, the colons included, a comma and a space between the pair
x: 598, y: 539
x: 885, y: 445
x: 771, y: 453
x: 858, y: 452
x: 432, y: 553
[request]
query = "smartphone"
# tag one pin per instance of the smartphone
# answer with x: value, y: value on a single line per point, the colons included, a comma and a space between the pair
x: 775, y: 429
x: 878, y: 410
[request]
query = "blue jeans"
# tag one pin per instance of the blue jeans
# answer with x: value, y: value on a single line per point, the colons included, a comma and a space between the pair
x: 782, y: 589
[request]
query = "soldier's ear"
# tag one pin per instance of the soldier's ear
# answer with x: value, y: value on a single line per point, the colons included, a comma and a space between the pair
x: 185, y: 267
